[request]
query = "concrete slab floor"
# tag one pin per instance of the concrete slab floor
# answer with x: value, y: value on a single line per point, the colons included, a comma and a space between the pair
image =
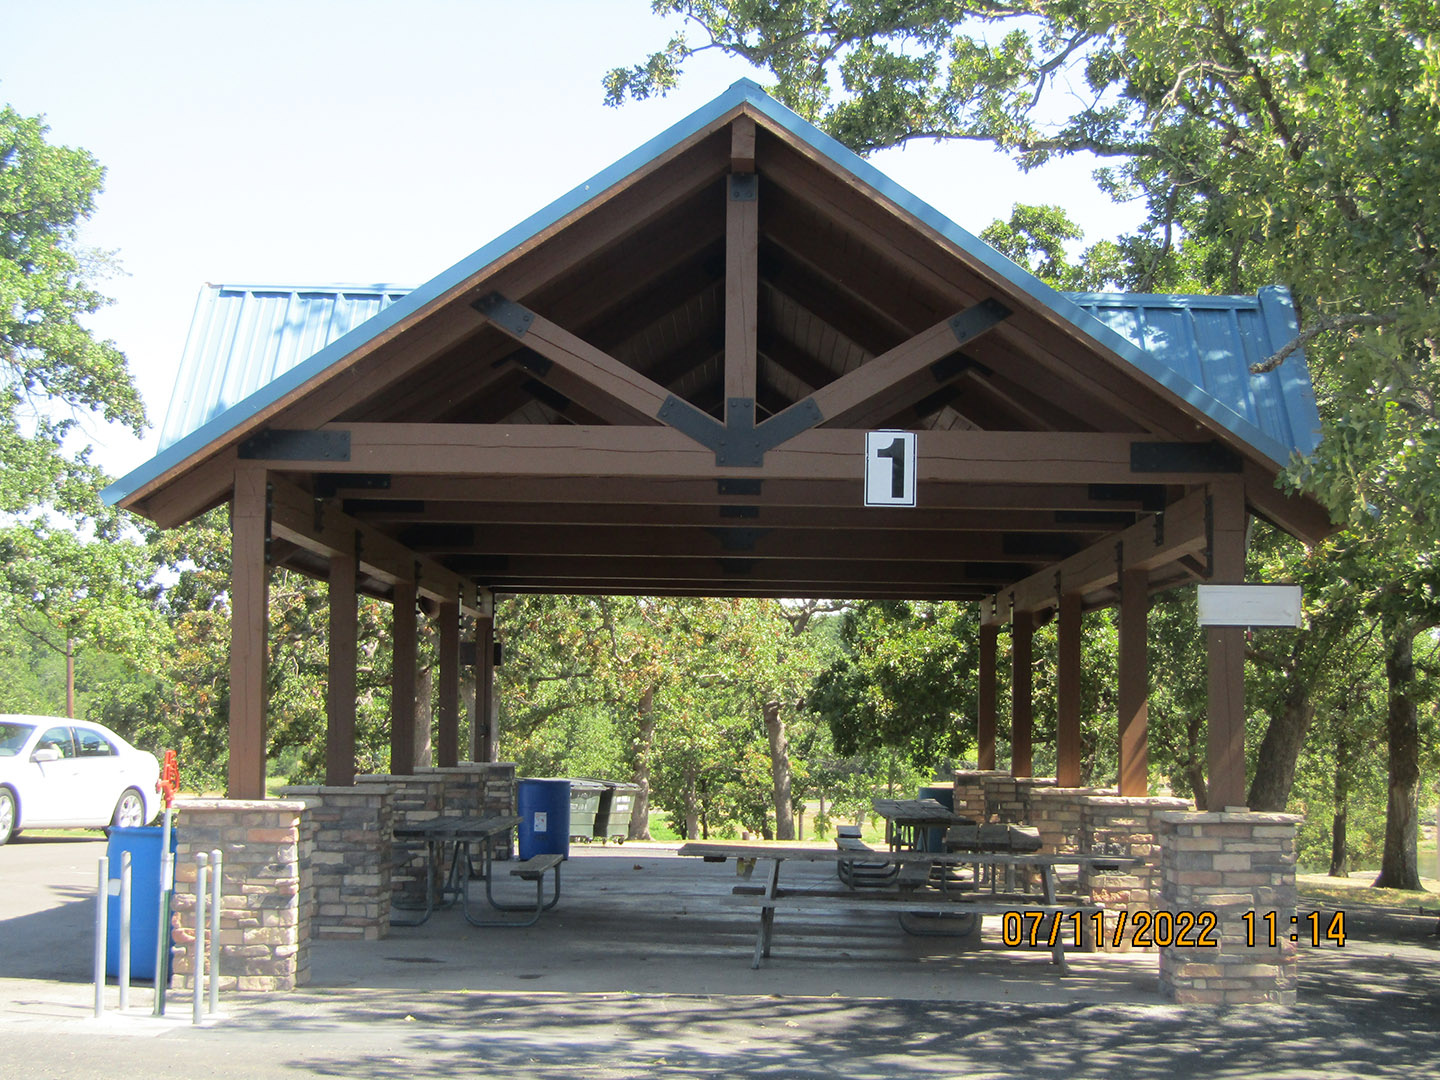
x: 644, y: 969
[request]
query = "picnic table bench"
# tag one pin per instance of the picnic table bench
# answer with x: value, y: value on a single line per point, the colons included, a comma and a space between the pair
x: 451, y: 846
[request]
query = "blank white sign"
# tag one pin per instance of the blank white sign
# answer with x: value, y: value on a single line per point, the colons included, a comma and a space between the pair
x: 1249, y: 605
x: 889, y: 468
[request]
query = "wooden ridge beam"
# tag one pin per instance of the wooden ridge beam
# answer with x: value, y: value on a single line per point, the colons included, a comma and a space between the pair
x: 1146, y: 545
x: 326, y: 531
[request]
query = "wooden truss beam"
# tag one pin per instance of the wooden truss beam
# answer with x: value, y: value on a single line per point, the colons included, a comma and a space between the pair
x: 739, y: 540
x: 1146, y: 545
x: 738, y: 494
x: 742, y: 273
x: 295, y: 516
x: 661, y: 453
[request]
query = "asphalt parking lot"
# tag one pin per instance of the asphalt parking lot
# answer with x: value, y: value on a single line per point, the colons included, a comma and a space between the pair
x: 643, y: 969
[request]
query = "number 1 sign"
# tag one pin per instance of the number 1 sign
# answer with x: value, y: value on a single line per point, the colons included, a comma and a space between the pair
x: 889, y: 468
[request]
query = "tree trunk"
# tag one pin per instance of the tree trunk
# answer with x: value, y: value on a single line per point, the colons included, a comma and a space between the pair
x: 779, y: 771
x: 1280, y: 750
x: 424, y: 716
x: 692, y: 807
x: 1339, y: 844
x: 1400, y: 862
x: 644, y: 736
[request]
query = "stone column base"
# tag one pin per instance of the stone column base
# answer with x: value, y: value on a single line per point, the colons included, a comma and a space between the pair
x: 1125, y: 826
x: 1059, y: 814
x: 1231, y: 864
x: 351, y: 860
x: 267, y: 895
x: 970, y: 792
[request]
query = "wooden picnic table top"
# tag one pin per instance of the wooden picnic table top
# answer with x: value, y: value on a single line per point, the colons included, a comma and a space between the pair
x: 918, y: 812
x: 469, y: 827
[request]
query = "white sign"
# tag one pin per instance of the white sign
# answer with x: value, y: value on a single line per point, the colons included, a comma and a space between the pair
x: 542, y: 821
x: 889, y: 468
x: 1249, y: 605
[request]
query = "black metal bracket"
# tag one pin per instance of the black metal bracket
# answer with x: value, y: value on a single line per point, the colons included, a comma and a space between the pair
x: 1183, y: 457
x: 734, y: 485
x: 744, y: 187
x: 280, y: 444
x: 269, y: 517
x: 975, y: 320
x: 329, y: 484
x: 736, y: 539
x: 513, y: 318
x: 739, y: 443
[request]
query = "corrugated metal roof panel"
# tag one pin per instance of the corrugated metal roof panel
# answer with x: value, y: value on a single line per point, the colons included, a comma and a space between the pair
x: 244, y: 337
x: 1210, y: 342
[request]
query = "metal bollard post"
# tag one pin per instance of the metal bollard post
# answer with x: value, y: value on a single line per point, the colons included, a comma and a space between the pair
x: 162, y: 934
x: 124, y: 967
x: 197, y: 967
x: 215, y: 886
x: 102, y: 905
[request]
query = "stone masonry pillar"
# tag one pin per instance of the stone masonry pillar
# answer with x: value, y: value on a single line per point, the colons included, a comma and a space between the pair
x: 1231, y: 864
x: 267, y: 896
x: 351, y: 860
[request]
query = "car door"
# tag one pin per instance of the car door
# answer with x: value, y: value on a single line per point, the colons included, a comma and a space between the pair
x: 49, y: 796
x: 98, y: 770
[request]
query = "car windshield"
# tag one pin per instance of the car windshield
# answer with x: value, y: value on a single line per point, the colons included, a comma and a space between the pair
x: 12, y: 737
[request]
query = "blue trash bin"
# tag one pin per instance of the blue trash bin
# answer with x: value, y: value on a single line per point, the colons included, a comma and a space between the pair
x: 933, y: 838
x: 544, y: 808
x: 143, y: 843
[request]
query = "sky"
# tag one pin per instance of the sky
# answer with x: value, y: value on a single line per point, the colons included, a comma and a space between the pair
x: 313, y: 142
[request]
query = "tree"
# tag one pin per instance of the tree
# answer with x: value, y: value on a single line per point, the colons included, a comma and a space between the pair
x: 1290, y: 141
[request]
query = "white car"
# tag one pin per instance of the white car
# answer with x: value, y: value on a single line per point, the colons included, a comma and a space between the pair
x: 60, y: 774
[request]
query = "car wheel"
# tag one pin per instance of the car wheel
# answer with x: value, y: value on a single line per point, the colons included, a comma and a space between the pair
x: 129, y: 811
x: 7, y: 815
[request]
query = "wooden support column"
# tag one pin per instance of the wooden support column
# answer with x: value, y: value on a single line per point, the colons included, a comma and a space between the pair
x: 340, y: 692
x: 1134, y: 678
x: 402, y: 681
x: 985, y: 721
x: 448, y: 615
x: 1067, y: 693
x: 1022, y: 718
x: 484, y: 724
x: 1225, y: 655
x: 742, y: 272
x: 249, y: 612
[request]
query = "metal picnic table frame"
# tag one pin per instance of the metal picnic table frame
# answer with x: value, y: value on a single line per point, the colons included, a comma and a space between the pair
x: 457, y: 834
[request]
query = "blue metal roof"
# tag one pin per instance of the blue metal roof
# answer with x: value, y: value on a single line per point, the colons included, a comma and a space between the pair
x: 243, y: 337
x: 1210, y: 342
x: 1273, y: 430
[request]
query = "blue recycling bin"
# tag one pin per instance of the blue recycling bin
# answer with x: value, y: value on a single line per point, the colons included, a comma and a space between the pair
x: 144, y: 846
x: 944, y: 794
x: 544, y: 808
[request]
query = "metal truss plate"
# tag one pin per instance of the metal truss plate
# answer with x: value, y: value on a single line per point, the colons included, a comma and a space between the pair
x: 296, y: 445
x: 513, y: 318
x: 1183, y: 457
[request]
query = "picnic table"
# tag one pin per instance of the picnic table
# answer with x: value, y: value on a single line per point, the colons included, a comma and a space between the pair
x: 924, y: 884
x: 904, y: 818
x: 454, y: 846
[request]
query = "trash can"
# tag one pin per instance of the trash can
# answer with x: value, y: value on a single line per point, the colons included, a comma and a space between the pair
x: 585, y: 798
x: 933, y: 838
x: 143, y: 843
x: 622, y: 806
x: 544, y: 809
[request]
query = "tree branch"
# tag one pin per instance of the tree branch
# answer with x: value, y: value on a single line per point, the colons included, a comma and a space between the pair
x: 1322, y: 325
